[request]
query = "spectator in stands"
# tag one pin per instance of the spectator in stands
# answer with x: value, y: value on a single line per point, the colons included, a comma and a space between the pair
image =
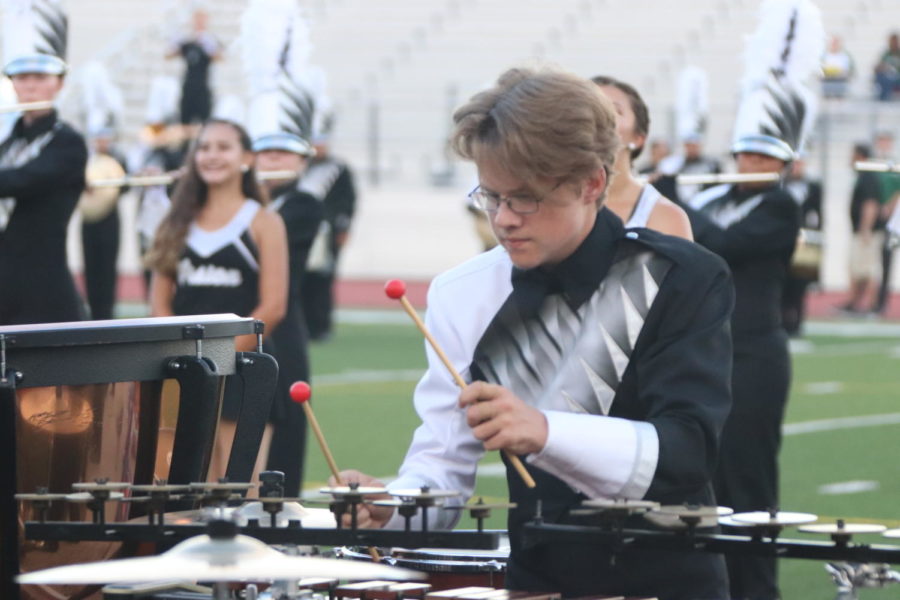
x: 889, y: 190
x: 865, y: 248
x: 837, y: 69
x: 887, y: 71
x: 199, y: 49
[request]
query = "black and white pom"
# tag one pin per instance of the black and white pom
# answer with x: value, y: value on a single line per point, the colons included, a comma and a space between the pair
x: 781, y: 59
x: 34, y: 27
x: 691, y: 103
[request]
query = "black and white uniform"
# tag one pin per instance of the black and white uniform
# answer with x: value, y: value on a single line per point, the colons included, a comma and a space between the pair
x: 755, y: 232
x: 624, y: 347
x: 302, y: 215
x: 643, y: 208
x: 331, y: 181
x: 218, y: 272
x: 41, y: 179
x: 807, y: 194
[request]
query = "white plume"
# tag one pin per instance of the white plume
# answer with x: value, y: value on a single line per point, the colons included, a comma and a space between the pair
x: 781, y: 57
x: 102, y: 101
x: 789, y: 40
x: 285, y: 90
x: 691, y: 101
x: 34, y: 26
x: 274, y: 36
x: 231, y: 108
x: 162, y: 101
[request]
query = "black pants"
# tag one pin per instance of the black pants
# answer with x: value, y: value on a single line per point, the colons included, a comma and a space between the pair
x: 288, y: 448
x: 793, y: 304
x: 887, y: 258
x: 747, y: 475
x: 317, y: 292
x: 100, y: 245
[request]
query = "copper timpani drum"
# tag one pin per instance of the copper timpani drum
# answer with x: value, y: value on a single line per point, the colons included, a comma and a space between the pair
x: 82, y: 401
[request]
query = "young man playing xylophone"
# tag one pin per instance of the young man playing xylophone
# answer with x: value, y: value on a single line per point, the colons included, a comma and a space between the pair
x: 602, y: 358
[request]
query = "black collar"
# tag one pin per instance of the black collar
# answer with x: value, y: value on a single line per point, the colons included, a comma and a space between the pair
x: 284, y: 188
x: 578, y: 276
x: 38, y: 127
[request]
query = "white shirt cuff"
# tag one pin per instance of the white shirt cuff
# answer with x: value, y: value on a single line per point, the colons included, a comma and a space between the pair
x: 598, y: 456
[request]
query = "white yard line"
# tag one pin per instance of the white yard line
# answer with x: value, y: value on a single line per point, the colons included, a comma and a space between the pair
x: 840, y: 423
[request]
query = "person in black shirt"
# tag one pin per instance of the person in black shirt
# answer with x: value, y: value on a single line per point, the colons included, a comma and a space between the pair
x: 331, y: 181
x: 302, y: 214
x: 42, y: 165
x: 99, y: 208
x: 754, y: 227
x: 198, y: 50
x: 867, y: 241
x: 807, y: 193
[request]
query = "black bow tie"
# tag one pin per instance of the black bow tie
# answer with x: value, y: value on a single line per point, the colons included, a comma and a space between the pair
x: 531, y: 287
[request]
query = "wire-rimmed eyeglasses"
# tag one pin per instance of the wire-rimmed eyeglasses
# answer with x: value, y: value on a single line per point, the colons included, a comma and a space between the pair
x: 520, y: 204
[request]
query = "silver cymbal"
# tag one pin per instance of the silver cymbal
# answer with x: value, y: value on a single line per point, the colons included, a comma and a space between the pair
x: 621, y: 504
x: 202, y: 558
x: 482, y: 506
x: 779, y: 519
x: 423, y: 493
x: 843, y: 528
x: 343, y: 490
x: 677, y: 516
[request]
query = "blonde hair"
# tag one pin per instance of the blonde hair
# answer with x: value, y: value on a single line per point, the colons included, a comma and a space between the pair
x: 538, y: 124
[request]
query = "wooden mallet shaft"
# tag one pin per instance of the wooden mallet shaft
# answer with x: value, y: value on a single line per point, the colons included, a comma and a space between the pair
x: 301, y: 393
x: 396, y: 289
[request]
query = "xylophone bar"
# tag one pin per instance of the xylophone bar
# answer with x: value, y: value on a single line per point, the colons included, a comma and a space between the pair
x: 687, y: 540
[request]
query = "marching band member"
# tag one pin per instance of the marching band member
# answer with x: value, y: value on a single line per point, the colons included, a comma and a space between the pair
x: 601, y: 356
x: 754, y: 227
x: 331, y: 180
x: 282, y: 111
x: 99, y: 207
x: 42, y: 165
x: 637, y: 204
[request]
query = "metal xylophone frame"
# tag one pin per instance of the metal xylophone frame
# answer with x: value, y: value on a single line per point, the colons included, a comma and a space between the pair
x: 762, y: 543
x: 534, y: 533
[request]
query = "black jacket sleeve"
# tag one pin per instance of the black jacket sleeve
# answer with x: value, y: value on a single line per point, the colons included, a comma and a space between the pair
x: 61, y: 163
x: 685, y: 379
x: 770, y: 229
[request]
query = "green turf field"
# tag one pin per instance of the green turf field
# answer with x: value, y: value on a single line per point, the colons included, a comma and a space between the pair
x: 363, y: 380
